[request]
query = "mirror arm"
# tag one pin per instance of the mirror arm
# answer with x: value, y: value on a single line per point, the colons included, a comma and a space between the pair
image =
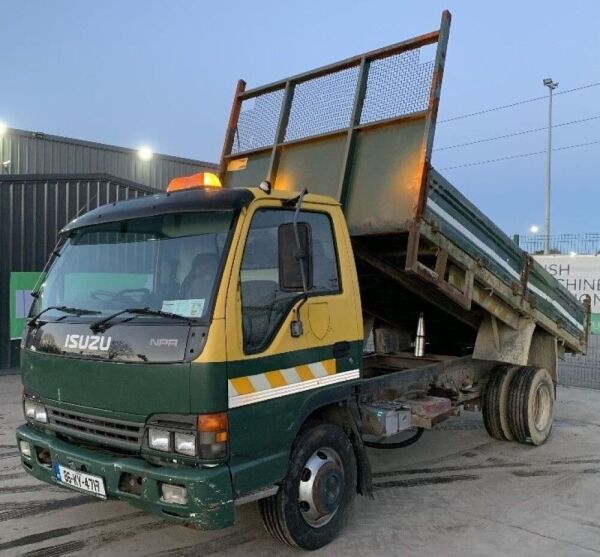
x: 299, y: 254
x: 297, y: 328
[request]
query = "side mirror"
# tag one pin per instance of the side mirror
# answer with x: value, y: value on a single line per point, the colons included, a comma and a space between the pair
x: 292, y: 259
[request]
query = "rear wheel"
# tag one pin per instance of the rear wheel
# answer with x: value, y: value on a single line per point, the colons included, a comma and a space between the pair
x: 531, y: 405
x: 315, y: 498
x: 495, y: 402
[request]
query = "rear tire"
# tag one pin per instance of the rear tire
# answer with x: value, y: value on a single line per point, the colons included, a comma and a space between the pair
x: 503, y: 393
x: 531, y: 405
x: 495, y: 403
x: 316, y: 496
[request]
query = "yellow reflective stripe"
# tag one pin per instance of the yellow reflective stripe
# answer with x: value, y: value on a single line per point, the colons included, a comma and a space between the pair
x: 304, y: 373
x: 298, y: 387
x: 276, y: 379
x: 330, y: 366
x: 280, y: 378
x: 242, y: 385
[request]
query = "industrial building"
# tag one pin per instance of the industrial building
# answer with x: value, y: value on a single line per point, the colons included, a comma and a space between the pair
x: 24, y: 152
x: 46, y: 181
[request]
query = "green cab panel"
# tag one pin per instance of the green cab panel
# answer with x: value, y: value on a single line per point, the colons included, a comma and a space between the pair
x: 122, y: 388
x: 208, y: 387
x: 262, y: 434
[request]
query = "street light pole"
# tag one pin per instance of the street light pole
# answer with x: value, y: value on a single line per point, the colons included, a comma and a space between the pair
x: 551, y: 86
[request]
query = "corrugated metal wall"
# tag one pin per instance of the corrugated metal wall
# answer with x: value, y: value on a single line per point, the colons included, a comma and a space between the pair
x: 33, y: 209
x: 38, y: 153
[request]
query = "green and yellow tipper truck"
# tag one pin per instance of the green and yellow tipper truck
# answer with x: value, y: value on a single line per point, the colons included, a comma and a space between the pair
x: 244, y: 337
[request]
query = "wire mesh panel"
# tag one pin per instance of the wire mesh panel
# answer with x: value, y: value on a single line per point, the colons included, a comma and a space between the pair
x: 322, y: 105
x: 257, y: 124
x: 582, y: 371
x: 397, y: 86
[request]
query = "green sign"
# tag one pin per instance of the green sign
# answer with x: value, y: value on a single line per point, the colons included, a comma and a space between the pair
x: 77, y: 284
x: 21, y: 285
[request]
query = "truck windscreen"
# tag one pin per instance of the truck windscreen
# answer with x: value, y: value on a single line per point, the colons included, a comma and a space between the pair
x: 166, y: 262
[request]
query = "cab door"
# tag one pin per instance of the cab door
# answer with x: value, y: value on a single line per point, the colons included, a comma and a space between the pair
x: 286, y: 350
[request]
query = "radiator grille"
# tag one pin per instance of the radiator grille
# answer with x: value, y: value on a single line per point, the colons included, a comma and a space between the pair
x: 104, y: 431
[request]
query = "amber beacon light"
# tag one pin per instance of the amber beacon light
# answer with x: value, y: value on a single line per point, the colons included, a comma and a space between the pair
x: 194, y: 181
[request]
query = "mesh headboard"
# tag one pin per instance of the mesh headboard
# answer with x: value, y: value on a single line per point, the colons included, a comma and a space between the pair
x: 359, y: 130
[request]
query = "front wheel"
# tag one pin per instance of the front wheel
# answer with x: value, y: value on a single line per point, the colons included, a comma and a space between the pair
x: 316, y: 496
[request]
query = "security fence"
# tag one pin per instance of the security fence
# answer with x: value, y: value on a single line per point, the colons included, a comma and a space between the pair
x: 582, y: 371
x: 584, y: 243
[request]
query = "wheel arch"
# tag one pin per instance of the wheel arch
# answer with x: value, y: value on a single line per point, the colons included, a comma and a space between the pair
x: 343, y: 412
x: 526, y: 345
x: 544, y: 352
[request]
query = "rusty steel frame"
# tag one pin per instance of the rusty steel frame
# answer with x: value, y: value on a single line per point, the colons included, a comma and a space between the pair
x: 408, y: 281
x: 284, y: 117
x: 434, y: 103
x: 457, y: 371
x: 461, y: 296
x: 499, y: 291
x: 486, y: 298
x: 231, y: 126
x: 363, y: 62
x: 359, y: 99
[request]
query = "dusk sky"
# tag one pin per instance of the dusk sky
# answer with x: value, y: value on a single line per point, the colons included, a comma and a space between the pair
x: 163, y: 73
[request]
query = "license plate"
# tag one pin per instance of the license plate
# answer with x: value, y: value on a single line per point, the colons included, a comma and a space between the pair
x: 80, y: 481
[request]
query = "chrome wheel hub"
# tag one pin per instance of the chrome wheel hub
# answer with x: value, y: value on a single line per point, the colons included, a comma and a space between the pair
x: 321, y: 487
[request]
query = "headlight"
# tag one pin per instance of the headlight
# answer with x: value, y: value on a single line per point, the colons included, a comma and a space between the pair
x: 29, y: 408
x: 35, y: 411
x: 185, y: 443
x: 202, y: 436
x: 159, y: 439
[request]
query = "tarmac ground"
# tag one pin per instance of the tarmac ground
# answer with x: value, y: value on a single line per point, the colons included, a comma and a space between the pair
x: 456, y: 492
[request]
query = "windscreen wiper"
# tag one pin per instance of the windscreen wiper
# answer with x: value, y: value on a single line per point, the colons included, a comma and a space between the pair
x: 33, y: 322
x: 103, y: 324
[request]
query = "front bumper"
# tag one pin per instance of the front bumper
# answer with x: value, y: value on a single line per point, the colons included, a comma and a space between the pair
x: 210, y: 500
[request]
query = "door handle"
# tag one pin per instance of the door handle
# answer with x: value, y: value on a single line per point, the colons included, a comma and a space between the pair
x: 341, y: 349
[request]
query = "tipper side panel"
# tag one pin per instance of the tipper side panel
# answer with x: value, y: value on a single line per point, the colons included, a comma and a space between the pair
x: 533, y: 290
x: 359, y: 130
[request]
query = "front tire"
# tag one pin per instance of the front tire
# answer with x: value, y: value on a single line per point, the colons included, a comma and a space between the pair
x: 315, y: 498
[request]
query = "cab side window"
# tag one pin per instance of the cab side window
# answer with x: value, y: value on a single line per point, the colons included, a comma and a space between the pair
x: 264, y: 303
